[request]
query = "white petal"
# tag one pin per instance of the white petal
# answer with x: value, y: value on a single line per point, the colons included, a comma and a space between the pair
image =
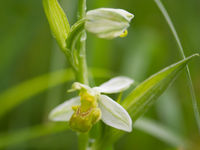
x: 64, y: 111
x: 113, y: 114
x: 115, y: 85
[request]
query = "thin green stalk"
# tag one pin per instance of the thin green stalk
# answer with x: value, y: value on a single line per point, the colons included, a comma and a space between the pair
x: 169, y: 21
x: 82, y: 73
x: 83, y: 141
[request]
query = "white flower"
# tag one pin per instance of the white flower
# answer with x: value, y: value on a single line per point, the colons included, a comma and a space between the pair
x: 111, y: 113
x: 108, y: 22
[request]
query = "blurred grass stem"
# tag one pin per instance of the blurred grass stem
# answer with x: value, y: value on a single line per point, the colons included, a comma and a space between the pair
x: 170, y: 23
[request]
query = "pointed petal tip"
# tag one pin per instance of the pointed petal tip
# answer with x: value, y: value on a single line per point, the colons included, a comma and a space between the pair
x: 129, y: 129
x: 129, y: 125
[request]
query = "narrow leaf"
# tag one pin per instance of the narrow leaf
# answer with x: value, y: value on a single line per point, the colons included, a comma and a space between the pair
x: 161, y: 132
x: 75, y: 33
x: 14, y: 96
x: 57, y: 20
x: 178, y: 41
x: 24, y: 135
x: 145, y: 94
x: 148, y: 126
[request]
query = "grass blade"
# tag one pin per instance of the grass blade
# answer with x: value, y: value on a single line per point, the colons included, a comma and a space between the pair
x: 161, y: 132
x: 148, y: 126
x: 170, y: 23
x: 17, y: 94
x: 146, y: 93
x: 24, y: 135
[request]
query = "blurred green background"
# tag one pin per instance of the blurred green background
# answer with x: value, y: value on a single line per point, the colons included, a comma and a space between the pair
x: 28, y: 50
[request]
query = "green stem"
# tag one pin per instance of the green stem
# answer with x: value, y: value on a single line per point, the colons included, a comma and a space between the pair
x: 81, y: 9
x: 83, y: 141
x: 82, y: 72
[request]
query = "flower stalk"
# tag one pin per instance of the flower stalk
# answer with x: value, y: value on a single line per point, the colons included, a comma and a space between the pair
x: 82, y: 73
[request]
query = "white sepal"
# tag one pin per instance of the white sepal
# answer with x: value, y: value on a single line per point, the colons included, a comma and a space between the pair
x: 113, y: 114
x: 64, y: 111
x: 115, y: 85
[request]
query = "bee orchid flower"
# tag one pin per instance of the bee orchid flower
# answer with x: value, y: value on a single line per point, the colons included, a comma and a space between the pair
x: 83, y: 111
x: 108, y: 23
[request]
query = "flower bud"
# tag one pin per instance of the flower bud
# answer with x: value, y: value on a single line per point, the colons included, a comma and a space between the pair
x: 108, y: 22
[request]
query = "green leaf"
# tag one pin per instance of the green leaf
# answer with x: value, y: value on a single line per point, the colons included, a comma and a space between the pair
x: 57, y: 20
x: 161, y: 132
x: 74, y: 34
x: 13, y: 138
x: 178, y: 41
x: 146, y: 93
x: 148, y: 126
x: 14, y: 96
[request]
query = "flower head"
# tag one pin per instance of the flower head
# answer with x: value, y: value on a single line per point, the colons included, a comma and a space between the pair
x: 108, y: 22
x: 91, y: 105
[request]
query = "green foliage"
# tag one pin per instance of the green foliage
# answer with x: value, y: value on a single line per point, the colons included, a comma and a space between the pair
x: 148, y: 126
x: 189, y: 79
x: 16, y: 95
x: 145, y: 94
x: 161, y: 132
x: 57, y: 20
x: 25, y: 135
